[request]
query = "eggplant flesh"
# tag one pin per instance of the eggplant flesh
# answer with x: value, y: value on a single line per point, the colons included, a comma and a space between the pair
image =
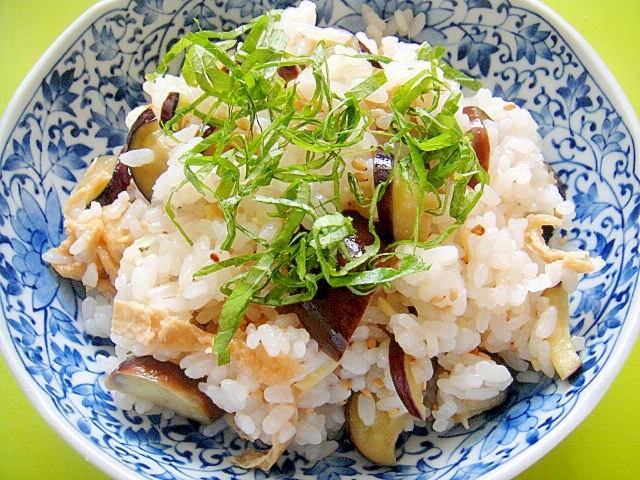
x: 398, y: 207
x: 103, y: 181
x: 146, y: 132
x: 376, y: 442
x: 164, y: 384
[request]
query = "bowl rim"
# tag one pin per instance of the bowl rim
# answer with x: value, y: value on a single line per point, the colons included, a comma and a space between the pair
x: 588, y: 57
x: 601, y: 74
x: 38, y: 399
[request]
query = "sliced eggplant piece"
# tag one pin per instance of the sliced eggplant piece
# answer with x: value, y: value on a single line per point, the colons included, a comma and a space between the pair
x: 147, y: 120
x: 376, y: 442
x: 331, y: 317
x: 333, y: 314
x: 480, y: 137
x: 404, y: 209
x: 164, y: 384
x: 355, y: 244
x: 408, y: 389
x: 102, y: 182
x: 146, y: 132
x: 471, y: 408
x: 564, y: 357
x: 119, y: 182
x: 382, y: 167
x: 397, y: 209
x: 169, y: 107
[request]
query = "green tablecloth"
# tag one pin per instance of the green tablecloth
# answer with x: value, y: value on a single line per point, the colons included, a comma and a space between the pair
x: 605, y: 446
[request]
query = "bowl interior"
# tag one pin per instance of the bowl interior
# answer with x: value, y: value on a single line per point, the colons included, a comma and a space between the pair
x: 72, y: 109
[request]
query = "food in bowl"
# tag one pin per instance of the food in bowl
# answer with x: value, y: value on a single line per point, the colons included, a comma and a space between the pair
x: 309, y: 228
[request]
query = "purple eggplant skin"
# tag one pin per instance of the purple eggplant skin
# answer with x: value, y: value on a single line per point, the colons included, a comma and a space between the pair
x: 146, y: 132
x: 333, y: 314
x: 480, y: 137
x: 146, y: 118
x: 119, y: 183
x: 382, y: 167
x: 331, y: 317
x: 409, y: 392
x: 169, y: 107
x: 165, y: 384
x: 480, y: 140
x: 365, y: 49
x: 357, y: 242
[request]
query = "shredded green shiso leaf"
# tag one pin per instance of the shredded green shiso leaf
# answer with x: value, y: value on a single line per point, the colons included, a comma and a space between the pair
x: 239, y: 70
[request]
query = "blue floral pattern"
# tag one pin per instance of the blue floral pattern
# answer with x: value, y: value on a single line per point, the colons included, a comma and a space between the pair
x: 78, y: 110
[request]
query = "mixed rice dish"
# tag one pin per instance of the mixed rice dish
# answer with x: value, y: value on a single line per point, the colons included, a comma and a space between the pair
x: 309, y: 229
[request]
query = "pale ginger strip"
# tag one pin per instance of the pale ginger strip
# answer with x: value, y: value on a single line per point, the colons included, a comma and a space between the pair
x: 312, y: 379
x: 156, y: 329
x: 579, y: 261
x: 564, y: 357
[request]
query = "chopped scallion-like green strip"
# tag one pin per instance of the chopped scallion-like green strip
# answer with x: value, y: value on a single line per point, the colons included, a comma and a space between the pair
x: 238, y: 71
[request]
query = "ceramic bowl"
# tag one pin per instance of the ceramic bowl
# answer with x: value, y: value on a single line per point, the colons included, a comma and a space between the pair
x: 71, y: 108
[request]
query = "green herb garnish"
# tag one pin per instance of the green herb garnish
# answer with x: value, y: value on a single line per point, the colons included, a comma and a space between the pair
x: 238, y: 71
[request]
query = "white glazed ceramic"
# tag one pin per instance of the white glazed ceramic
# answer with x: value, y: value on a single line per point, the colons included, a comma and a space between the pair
x: 71, y: 108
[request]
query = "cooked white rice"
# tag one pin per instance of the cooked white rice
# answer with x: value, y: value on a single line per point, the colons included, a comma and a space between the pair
x: 477, y: 314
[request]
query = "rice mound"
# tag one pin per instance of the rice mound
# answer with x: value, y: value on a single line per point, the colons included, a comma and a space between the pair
x: 473, y: 323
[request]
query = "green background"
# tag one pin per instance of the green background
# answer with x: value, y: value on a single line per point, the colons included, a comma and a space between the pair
x: 605, y: 445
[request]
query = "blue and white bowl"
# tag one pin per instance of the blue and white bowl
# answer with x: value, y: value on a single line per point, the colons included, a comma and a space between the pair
x: 71, y: 108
